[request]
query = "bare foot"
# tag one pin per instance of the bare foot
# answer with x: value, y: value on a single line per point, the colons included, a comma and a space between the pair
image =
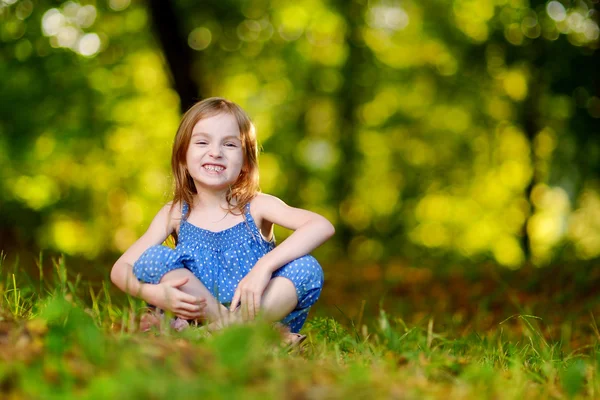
x: 293, y: 340
x: 179, y: 324
x: 227, y: 318
x: 288, y: 338
x: 152, y: 318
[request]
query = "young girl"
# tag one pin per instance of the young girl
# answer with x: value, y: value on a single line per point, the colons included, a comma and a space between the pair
x: 223, y: 228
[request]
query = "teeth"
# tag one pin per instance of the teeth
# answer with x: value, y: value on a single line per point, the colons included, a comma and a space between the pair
x: 214, y: 168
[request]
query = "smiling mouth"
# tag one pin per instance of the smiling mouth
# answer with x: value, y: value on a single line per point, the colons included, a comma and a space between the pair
x: 213, y: 167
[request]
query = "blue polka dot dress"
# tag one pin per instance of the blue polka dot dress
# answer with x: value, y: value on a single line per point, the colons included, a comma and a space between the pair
x: 221, y: 259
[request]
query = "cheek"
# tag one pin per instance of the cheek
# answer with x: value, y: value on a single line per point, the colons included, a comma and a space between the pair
x: 239, y: 158
x: 193, y: 154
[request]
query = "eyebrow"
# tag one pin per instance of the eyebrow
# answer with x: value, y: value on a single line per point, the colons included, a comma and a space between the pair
x: 207, y: 135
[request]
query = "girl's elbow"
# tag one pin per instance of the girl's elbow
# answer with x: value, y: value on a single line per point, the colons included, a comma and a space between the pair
x: 329, y: 229
x: 115, y: 274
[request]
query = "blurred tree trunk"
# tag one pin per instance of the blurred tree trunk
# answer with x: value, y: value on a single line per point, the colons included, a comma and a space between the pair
x: 176, y: 51
x: 350, y: 157
x: 532, y: 127
x: 531, y: 120
x: 586, y: 127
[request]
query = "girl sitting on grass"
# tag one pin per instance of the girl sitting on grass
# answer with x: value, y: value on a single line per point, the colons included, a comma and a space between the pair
x: 223, y: 227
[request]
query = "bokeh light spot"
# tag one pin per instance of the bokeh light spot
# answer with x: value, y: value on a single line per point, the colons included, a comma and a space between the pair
x: 52, y: 21
x: 69, y: 235
x: 119, y: 5
x: 318, y: 154
x: 199, y: 38
x: 249, y: 30
x: 556, y: 11
x: 23, y: 49
x: 36, y: 192
x: 89, y: 45
x: 271, y: 178
x: 85, y: 16
x: 508, y: 252
x: 24, y: 9
x: 515, y: 85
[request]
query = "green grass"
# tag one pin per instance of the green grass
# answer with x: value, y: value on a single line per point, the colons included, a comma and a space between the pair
x: 61, y: 338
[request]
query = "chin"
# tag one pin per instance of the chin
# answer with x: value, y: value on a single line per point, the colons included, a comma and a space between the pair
x: 216, y: 186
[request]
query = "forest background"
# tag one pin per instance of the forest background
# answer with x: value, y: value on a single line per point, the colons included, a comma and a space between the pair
x: 439, y: 137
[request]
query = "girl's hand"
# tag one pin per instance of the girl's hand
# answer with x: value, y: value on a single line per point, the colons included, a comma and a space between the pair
x: 249, y: 292
x: 168, y: 296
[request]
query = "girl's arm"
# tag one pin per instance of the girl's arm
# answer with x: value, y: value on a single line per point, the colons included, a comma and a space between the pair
x: 310, y: 231
x: 164, y: 295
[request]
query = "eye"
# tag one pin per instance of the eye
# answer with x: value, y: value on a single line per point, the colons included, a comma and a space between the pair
x: 230, y: 144
x: 202, y: 142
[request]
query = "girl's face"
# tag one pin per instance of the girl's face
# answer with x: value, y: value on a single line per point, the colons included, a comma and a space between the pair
x: 214, y: 157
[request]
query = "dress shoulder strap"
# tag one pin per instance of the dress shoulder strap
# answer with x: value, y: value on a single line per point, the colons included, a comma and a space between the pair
x: 251, y: 223
x: 247, y: 210
x: 254, y: 229
x: 184, y: 210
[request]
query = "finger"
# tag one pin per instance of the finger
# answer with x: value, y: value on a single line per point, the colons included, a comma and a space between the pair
x: 251, y: 307
x: 187, y: 298
x: 188, y: 307
x: 243, y: 306
x: 257, y: 299
x: 191, y: 315
x: 235, y: 301
x: 185, y: 315
x: 191, y: 311
x: 180, y: 282
x: 198, y: 301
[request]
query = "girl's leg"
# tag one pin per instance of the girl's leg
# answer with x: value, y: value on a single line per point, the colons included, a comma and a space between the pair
x: 214, y: 310
x: 279, y: 299
x: 294, y: 288
x: 159, y: 264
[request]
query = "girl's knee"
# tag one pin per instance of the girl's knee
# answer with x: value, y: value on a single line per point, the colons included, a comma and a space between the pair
x: 177, y: 274
x: 155, y: 262
x: 307, y: 267
x: 305, y: 272
x: 307, y: 276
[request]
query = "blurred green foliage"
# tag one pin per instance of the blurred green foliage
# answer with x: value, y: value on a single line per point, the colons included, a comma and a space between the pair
x: 67, y: 340
x: 335, y: 362
x: 462, y: 130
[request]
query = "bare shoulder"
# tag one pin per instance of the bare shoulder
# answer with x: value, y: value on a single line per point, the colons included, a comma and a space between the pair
x: 272, y: 209
x: 172, y: 215
x: 264, y: 205
x: 265, y: 201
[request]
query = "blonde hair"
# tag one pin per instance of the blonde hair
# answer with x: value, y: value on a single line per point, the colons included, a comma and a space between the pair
x: 246, y: 186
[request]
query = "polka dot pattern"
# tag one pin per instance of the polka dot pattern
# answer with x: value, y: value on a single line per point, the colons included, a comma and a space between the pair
x: 221, y: 259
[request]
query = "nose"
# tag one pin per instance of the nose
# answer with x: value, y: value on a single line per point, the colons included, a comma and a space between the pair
x: 215, y: 151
